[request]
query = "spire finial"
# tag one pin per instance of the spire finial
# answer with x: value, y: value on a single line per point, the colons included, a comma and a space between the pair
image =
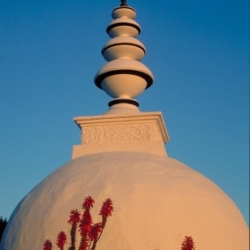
x: 124, y: 3
x: 124, y: 77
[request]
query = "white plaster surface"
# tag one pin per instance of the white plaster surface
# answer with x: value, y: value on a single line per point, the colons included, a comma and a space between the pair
x: 157, y: 201
x: 137, y: 132
x: 124, y: 47
x: 124, y: 85
x: 125, y: 30
x: 122, y: 11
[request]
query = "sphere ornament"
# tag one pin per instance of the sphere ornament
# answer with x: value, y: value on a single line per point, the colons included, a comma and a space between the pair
x: 124, y: 78
x: 124, y: 11
x: 123, y: 27
x: 123, y: 48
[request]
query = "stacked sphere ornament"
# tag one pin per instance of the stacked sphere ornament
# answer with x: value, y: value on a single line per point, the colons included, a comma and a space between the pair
x: 124, y: 77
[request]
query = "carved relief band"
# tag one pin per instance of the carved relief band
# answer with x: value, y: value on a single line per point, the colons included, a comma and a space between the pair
x: 120, y: 133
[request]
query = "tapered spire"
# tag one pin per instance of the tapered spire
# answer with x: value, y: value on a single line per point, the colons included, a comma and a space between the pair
x: 124, y: 3
x: 124, y: 77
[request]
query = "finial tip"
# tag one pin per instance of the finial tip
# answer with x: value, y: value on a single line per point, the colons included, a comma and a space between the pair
x: 124, y: 3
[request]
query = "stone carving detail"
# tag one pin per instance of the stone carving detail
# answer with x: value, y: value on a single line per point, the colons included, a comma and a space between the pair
x: 120, y: 133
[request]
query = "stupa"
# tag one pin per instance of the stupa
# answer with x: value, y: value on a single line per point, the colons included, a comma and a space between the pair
x: 157, y: 200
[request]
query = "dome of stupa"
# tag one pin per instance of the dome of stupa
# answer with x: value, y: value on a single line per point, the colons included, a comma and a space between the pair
x: 157, y: 200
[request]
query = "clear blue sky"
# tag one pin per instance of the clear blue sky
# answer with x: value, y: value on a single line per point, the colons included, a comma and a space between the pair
x: 50, y: 53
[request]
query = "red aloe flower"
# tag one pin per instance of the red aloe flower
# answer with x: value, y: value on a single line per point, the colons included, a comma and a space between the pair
x: 74, y: 217
x: 88, y: 203
x: 84, y: 244
x: 47, y: 245
x: 85, y: 223
x: 90, y: 234
x: 95, y: 231
x: 95, y: 234
x: 188, y: 243
x: 61, y: 240
x: 107, y: 208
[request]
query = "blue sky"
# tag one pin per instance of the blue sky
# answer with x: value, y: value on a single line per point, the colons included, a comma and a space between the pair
x: 50, y: 53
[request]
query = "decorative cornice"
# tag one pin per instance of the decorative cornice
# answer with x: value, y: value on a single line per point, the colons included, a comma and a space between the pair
x: 141, y: 132
x: 118, y: 120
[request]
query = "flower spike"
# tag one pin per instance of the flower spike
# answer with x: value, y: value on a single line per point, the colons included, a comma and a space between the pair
x: 188, y: 243
x: 88, y: 203
x: 95, y: 231
x: 74, y: 216
x: 107, y: 208
x: 47, y: 245
x: 61, y: 240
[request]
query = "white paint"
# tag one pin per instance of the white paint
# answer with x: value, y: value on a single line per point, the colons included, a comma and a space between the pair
x: 137, y: 132
x: 124, y: 11
x: 157, y: 201
x: 124, y: 85
x: 131, y: 27
x: 123, y: 47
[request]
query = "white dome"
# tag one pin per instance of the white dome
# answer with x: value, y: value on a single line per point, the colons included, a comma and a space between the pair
x: 157, y: 201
